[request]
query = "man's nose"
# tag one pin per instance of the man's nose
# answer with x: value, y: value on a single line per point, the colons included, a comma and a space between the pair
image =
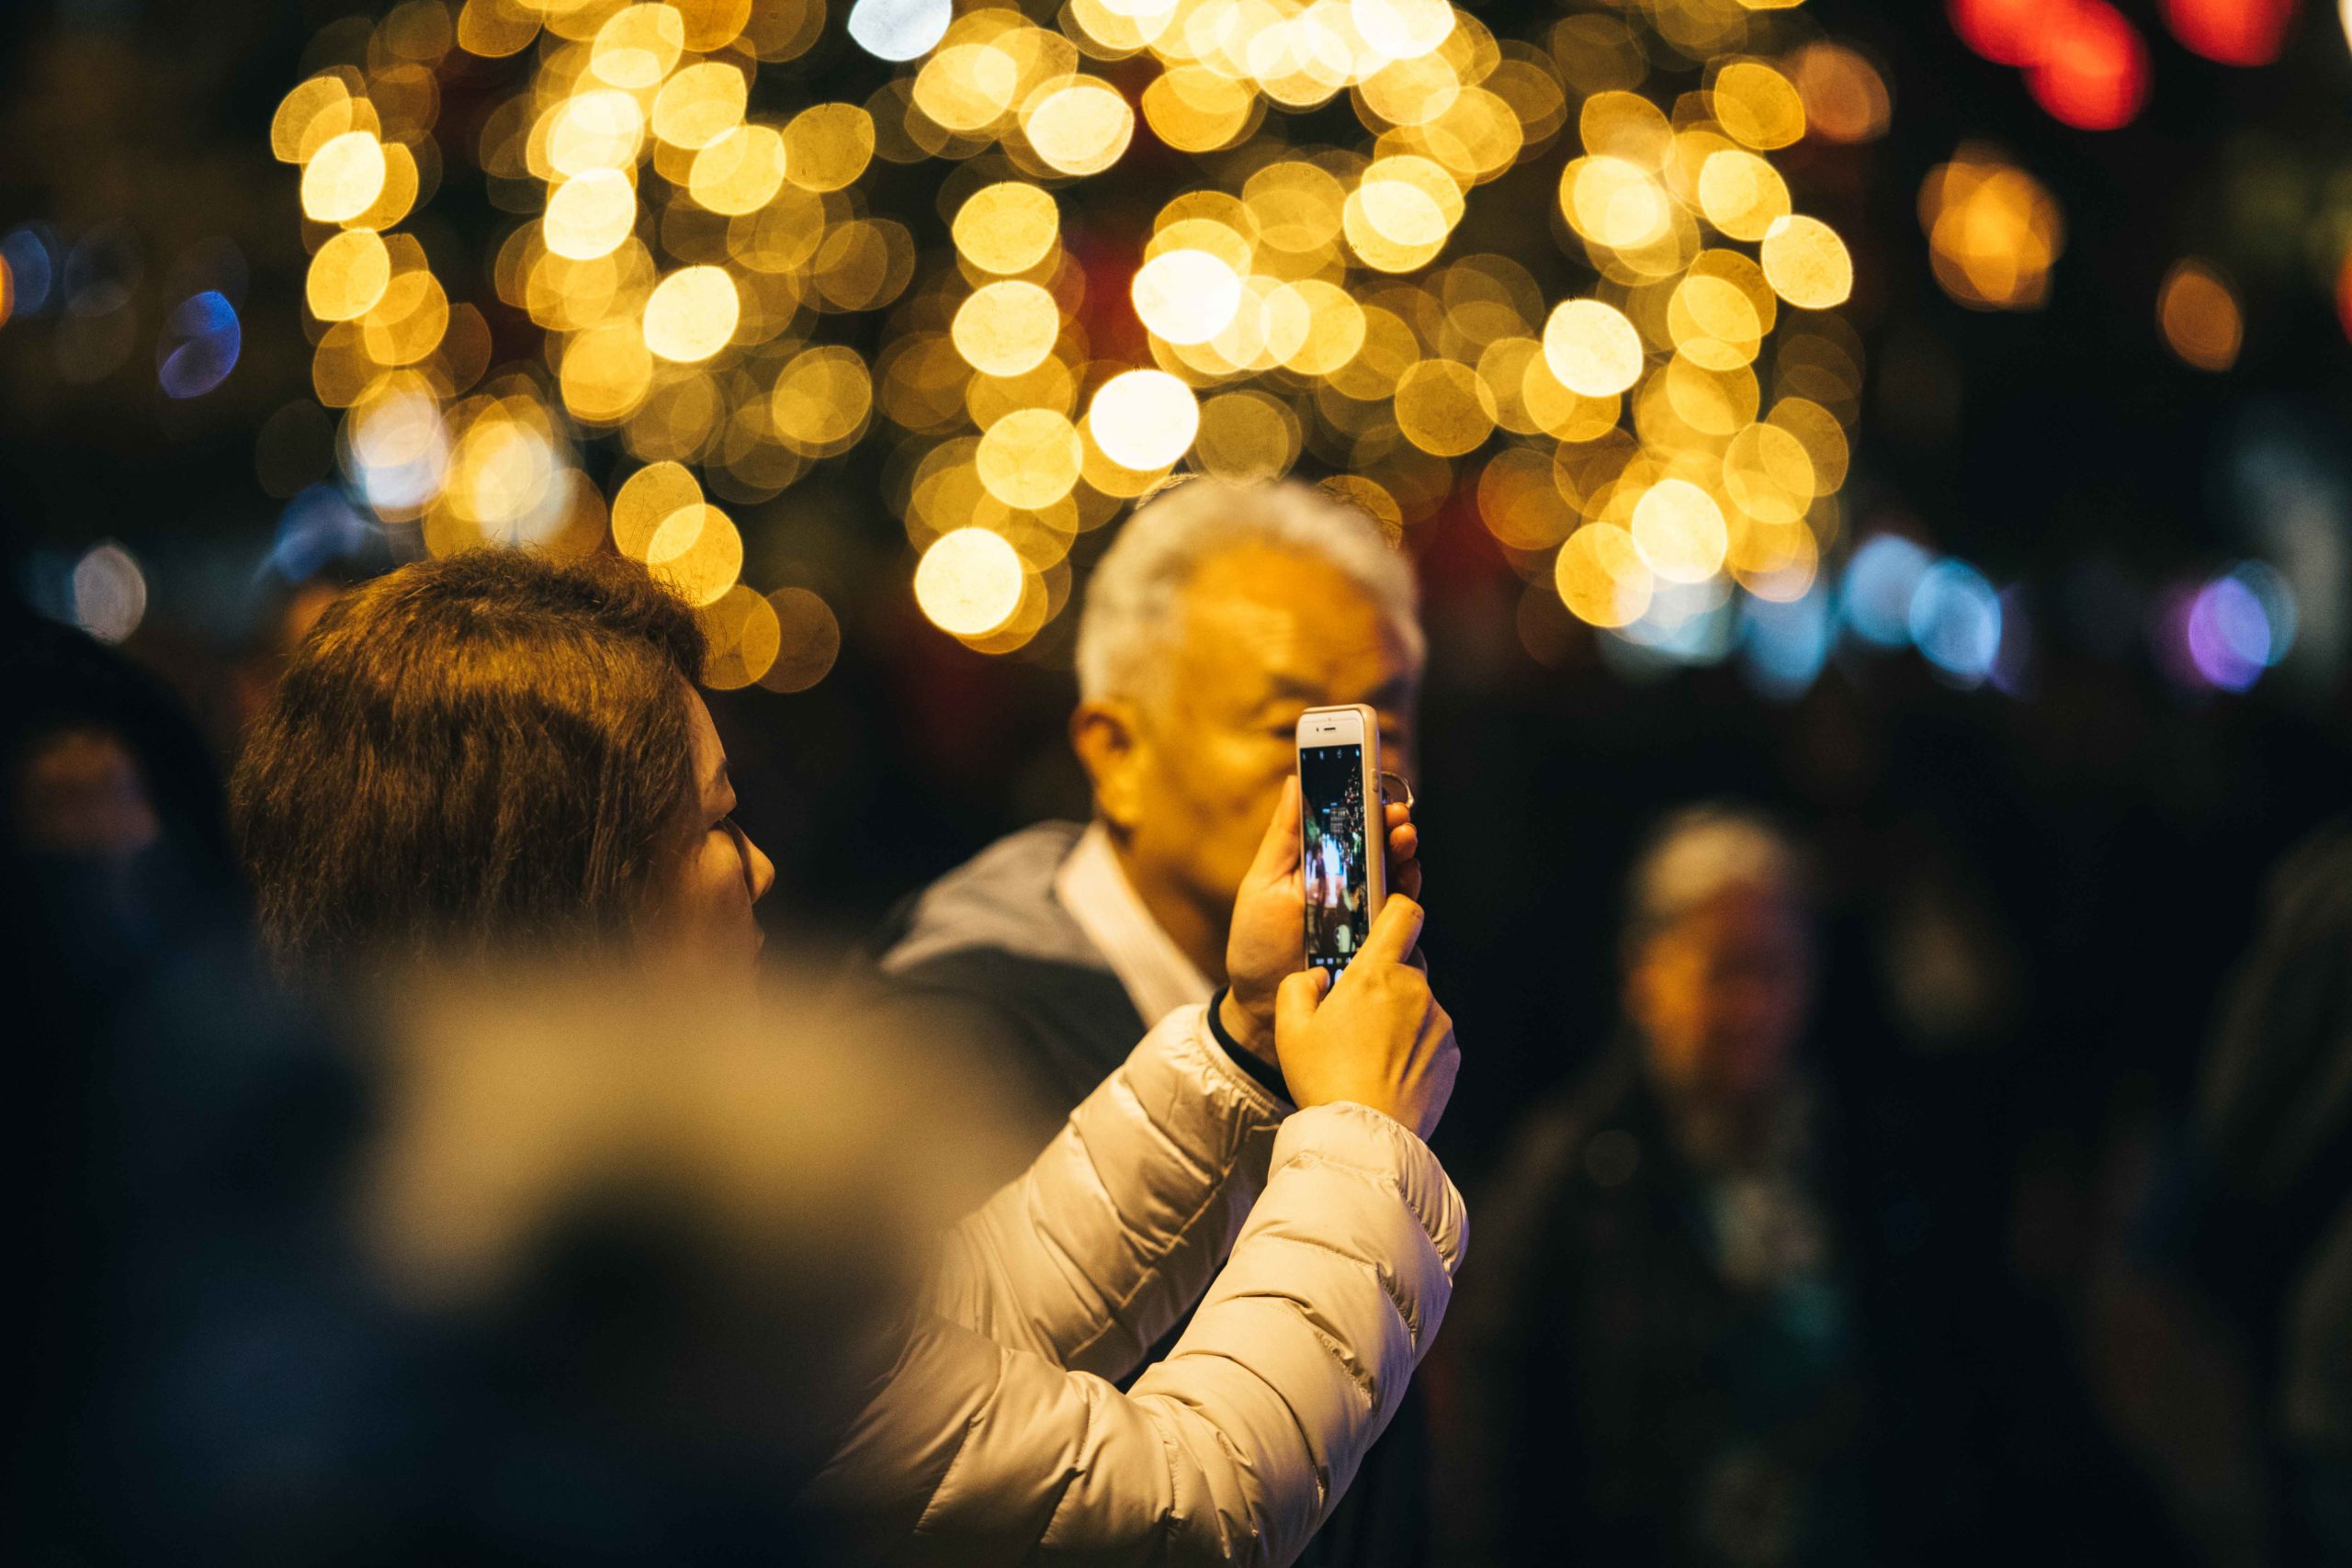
x: 763, y: 870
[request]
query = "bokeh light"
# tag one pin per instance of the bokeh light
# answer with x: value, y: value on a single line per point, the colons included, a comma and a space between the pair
x: 1653, y: 430
x: 1881, y: 578
x: 2091, y: 67
x: 2235, y: 32
x: 1954, y: 618
x: 1994, y: 232
x: 109, y: 592
x: 2197, y: 312
x: 969, y: 582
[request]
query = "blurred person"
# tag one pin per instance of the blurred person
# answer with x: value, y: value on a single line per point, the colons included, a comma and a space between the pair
x: 1658, y: 1363
x: 114, y: 866
x: 1219, y: 615
x: 487, y: 752
x: 2219, y: 1331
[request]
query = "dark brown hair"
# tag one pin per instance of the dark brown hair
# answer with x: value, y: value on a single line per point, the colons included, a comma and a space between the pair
x: 486, y: 750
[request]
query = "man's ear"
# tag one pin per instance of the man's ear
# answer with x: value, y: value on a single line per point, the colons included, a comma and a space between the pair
x: 1111, y: 746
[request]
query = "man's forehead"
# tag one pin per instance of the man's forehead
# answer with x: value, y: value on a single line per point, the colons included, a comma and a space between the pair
x: 1278, y: 619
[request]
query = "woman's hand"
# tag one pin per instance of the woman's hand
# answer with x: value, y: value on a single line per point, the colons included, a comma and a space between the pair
x: 1376, y: 1037
x: 1269, y: 934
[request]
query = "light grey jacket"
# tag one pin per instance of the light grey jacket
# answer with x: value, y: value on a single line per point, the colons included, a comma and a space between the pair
x: 998, y: 1438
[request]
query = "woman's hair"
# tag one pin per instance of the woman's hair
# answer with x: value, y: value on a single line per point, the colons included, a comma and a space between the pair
x: 485, y: 750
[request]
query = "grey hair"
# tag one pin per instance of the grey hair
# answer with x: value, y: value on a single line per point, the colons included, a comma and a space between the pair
x: 1131, y: 601
x: 1700, y: 851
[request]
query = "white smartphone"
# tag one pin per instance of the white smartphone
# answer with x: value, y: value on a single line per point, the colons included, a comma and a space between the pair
x: 1344, y: 836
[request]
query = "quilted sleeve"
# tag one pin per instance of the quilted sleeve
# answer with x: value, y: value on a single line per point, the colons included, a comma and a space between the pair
x: 1234, y: 1449
x: 1095, y: 1251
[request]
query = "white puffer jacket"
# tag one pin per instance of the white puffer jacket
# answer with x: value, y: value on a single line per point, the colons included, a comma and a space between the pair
x: 997, y: 1439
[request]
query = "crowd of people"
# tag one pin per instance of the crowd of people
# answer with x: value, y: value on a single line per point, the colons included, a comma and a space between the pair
x: 429, y: 1165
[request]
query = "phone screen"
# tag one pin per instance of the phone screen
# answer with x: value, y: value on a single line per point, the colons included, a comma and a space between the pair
x: 1338, y: 896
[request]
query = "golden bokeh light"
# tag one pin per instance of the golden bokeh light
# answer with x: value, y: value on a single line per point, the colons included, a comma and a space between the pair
x: 1143, y: 419
x: 1601, y: 577
x: 1443, y: 409
x: 1591, y: 348
x: 1806, y: 262
x: 589, y: 215
x: 1195, y: 109
x: 1007, y: 227
x: 808, y: 640
x: 323, y: 101
x: 699, y: 105
x: 1305, y: 299
x: 2198, y: 315
x: 828, y: 146
x: 1616, y: 202
x: 601, y: 129
x: 1757, y: 105
x: 699, y: 552
x: 1080, y: 129
x: 349, y: 275
x: 637, y: 46
x: 1005, y: 329
x: 1186, y: 297
x: 969, y: 582
x: 691, y: 314
x: 739, y: 170
x: 1247, y: 436
x: 821, y: 400
x: 1680, y: 531
x: 742, y: 635
x: 1742, y: 194
x: 1030, y: 459
x: 1994, y: 232
x: 606, y: 373
x: 1400, y: 213
x: 343, y: 178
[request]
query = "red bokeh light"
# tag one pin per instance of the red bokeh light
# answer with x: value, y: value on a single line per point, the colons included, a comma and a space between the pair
x: 2092, y: 69
x: 2235, y: 32
x: 2007, y: 32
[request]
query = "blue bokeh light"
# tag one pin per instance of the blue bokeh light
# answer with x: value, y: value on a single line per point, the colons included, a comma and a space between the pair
x: 317, y: 526
x: 1783, y: 646
x: 1880, y: 583
x: 199, y: 345
x: 1955, y: 618
x: 32, y: 269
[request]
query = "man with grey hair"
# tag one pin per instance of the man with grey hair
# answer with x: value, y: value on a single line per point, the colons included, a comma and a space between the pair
x: 1219, y: 615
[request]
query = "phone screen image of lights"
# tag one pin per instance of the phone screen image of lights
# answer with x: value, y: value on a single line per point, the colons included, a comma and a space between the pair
x: 1330, y: 779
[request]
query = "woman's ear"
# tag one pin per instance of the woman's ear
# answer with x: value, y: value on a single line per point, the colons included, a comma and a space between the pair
x: 1111, y: 748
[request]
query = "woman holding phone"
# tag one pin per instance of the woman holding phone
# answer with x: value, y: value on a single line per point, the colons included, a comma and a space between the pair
x: 496, y: 753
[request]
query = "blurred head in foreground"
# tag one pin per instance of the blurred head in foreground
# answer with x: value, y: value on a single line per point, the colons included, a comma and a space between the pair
x: 1718, y: 964
x: 1221, y: 614
x: 494, y: 750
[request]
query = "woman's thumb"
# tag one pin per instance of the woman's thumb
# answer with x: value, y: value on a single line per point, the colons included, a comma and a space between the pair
x: 1294, y: 1002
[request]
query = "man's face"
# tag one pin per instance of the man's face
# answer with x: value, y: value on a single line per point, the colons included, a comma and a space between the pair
x: 1720, y: 995
x: 1265, y: 634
